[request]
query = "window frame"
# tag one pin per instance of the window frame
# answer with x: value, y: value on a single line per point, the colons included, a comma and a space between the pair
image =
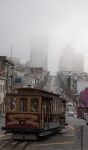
x: 0, y: 88
x: 30, y: 104
x: 40, y: 101
x: 25, y: 98
x: 8, y: 104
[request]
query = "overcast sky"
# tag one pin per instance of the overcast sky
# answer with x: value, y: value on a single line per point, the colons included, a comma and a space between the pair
x: 64, y: 21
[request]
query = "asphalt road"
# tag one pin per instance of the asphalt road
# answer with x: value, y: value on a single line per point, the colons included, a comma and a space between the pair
x: 2, y: 123
x: 63, y: 140
x: 57, y: 141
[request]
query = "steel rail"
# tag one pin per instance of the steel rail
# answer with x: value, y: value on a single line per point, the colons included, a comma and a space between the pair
x: 26, y: 145
x: 10, y: 141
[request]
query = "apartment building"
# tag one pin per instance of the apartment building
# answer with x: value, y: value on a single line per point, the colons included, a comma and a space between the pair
x: 6, y: 71
x: 2, y: 96
x: 6, y: 80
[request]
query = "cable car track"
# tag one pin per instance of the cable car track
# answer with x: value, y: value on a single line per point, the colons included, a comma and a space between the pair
x: 14, y: 145
x: 10, y: 141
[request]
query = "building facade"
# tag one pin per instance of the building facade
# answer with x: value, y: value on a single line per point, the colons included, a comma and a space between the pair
x: 2, y: 96
x: 83, y: 99
x: 6, y: 80
x: 39, y: 52
x: 71, y: 61
x: 6, y: 71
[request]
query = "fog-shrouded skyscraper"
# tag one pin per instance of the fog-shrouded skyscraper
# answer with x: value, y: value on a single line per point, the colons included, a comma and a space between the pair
x: 71, y: 61
x: 39, y: 51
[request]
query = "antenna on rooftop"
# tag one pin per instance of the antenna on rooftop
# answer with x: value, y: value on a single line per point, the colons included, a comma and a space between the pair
x: 11, y: 51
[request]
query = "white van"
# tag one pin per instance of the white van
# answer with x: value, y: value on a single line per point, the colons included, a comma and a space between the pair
x: 69, y: 104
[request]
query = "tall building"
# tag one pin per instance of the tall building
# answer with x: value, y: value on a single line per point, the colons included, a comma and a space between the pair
x: 71, y: 61
x: 39, y: 52
x: 27, y: 64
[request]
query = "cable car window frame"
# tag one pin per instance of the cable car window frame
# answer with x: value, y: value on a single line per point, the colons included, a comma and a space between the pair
x: 24, y: 100
x: 55, y: 109
x: 59, y: 106
x: 31, y: 103
x: 53, y: 106
x: 10, y: 99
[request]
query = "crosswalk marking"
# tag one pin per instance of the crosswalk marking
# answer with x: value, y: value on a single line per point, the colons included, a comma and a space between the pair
x: 2, y: 135
x: 71, y: 127
x: 68, y: 135
x: 61, y: 143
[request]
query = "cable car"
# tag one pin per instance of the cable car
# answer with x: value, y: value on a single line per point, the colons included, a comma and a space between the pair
x: 33, y: 112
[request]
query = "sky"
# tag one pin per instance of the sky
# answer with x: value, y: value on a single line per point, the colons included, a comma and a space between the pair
x: 63, y: 21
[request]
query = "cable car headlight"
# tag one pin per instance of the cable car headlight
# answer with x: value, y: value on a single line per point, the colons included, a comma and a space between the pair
x: 22, y: 122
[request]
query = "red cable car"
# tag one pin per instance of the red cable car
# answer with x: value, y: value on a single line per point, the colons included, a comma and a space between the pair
x: 33, y: 112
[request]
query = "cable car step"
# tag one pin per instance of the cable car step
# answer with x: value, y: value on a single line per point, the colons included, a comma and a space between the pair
x: 24, y: 136
x: 45, y: 133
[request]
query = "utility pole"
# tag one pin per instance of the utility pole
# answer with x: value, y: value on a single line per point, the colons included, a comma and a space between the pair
x: 11, y: 51
x: 12, y: 72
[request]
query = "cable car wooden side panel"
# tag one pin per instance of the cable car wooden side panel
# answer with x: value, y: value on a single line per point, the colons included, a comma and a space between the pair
x: 32, y: 112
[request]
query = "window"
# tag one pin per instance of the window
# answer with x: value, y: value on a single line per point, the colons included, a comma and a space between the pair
x: 0, y: 88
x: 44, y: 110
x: 53, y: 106
x: 34, y: 105
x: 12, y: 104
x: 23, y: 104
x: 57, y: 106
x: 62, y: 110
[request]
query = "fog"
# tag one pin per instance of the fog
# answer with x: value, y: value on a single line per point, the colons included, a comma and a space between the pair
x: 63, y: 21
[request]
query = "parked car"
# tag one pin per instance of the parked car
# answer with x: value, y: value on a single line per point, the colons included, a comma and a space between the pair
x: 71, y: 113
x: 69, y: 104
x: 84, y: 116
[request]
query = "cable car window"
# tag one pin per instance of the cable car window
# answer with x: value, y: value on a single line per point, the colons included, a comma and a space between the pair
x: 44, y: 110
x: 57, y: 105
x: 34, y: 105
x: 12, y: 104
x: 23, y: 104
x: 53, y: 106
x: 62, y: 107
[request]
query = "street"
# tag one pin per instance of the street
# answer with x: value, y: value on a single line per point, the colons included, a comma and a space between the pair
x: 56, y: 141
x: 2, y: 123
